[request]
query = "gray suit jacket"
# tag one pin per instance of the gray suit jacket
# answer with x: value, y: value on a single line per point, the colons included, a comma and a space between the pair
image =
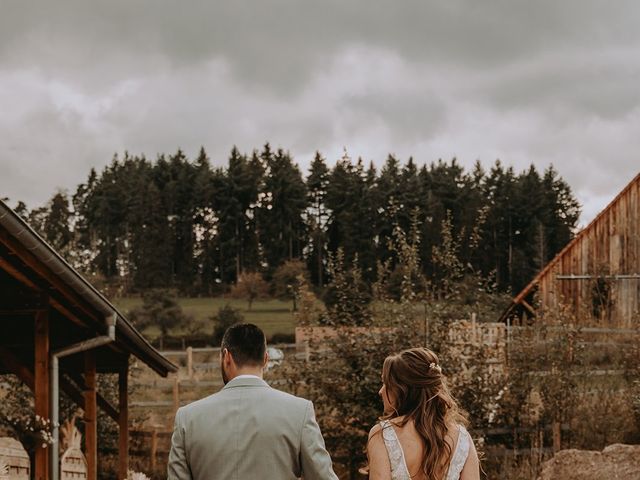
x: 247, y: 431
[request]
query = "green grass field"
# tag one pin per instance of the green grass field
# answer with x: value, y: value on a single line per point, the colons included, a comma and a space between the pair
x: 273, y: 316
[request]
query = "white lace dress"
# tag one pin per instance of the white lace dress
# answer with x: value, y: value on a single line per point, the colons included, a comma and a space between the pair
x: 399, y: 470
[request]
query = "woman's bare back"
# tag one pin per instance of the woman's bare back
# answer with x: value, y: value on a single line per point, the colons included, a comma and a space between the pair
x: 413, y: 451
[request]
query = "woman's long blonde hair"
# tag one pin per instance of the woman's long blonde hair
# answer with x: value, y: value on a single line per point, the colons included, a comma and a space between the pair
x: 418, y: 392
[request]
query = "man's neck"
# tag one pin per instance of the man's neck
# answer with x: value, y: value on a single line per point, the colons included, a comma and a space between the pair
x: 255, y: 372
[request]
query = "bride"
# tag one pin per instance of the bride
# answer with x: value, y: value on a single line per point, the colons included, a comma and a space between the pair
x: 421, y: 435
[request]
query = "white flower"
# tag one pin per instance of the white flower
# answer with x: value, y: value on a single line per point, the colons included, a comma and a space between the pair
x: 136, y: 476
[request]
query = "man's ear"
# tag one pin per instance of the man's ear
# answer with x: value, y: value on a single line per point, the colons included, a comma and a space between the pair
x: 266, y: 359
x: 226, y: 356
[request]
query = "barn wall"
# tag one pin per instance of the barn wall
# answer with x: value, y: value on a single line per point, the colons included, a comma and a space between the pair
x: 610, y: 245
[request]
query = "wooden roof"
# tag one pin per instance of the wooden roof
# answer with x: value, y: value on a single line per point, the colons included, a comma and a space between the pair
x: 34, y: 276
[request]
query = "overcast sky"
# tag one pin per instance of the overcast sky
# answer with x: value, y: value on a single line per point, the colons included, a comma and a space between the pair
x: 524, y: 81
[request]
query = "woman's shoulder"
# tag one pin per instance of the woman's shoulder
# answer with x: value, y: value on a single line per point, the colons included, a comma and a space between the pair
x: 463, y: 443
x: 463, y: 430
x: 382, y: 425
x: 375, y: 429
x: 458, y: 428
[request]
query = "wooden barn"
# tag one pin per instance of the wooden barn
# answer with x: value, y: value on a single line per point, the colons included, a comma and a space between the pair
x: 597, y: 275
x: 58, y: 333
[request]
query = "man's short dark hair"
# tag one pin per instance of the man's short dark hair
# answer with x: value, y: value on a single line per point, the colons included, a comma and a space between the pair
x: 247, y: 344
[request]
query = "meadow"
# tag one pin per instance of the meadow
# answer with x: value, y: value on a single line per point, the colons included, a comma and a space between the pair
x: 272, y: 315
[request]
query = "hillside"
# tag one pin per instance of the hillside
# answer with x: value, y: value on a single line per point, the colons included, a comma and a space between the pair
x: 273, y: 316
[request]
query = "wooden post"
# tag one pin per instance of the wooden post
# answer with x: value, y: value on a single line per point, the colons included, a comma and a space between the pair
x: 474, y: 328
x: 190, y: 362
x: 90, y: 415
x: 42, y: 387
x: 154, y: 448
x: 557, y: 439
x: 540, y: 445
x: 123, y: 423
x: 176, y: 394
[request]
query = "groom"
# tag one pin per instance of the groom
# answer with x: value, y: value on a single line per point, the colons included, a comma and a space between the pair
x: 247, y: 430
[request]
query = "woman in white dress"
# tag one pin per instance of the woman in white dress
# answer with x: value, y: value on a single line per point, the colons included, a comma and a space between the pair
x: 422, y: 434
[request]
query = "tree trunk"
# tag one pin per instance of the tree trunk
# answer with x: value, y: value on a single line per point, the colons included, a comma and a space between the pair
x: 319, y: 247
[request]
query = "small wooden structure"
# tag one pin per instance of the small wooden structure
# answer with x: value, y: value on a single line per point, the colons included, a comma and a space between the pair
x: 597, y: 275
x: 73, y: 464
x: 45, y: 306
x: 13, y: 455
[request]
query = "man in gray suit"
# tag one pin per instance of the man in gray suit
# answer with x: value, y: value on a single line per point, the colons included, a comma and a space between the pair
x: 247, y: 430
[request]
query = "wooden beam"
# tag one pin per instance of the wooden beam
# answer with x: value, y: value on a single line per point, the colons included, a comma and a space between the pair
x: 55, y: 303
x: 13, y: 364
x: 25, y: 280
x: 90, y: 415
x: 101, y: 402
x: 67, y: 313
x: 18, y: 311
x: 106, y: 406
x: 42, y: 384
x: 123, y: 423
x: 77, y: 396
x: 36, y: 265
x: 63, y: 297
x: 17, y: 274
x: 74, y: 392
x: 528, y: 307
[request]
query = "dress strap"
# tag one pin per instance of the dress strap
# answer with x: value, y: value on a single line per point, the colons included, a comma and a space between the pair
x: 460, y: 454
x: 399, y: 470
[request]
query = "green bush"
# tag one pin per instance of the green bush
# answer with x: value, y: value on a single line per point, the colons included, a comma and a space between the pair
x: 226, y: 317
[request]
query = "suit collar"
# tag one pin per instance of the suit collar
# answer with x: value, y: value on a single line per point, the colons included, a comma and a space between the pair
x: 246, y: 381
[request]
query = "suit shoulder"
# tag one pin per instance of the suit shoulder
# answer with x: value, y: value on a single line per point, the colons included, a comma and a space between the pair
x: 186, y: 410
x: 297, y: 407
x: 289, y: 398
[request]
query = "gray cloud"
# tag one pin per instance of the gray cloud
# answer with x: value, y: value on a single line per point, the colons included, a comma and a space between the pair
x: 526, y: 82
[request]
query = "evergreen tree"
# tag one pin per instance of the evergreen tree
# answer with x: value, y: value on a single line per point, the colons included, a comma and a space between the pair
x: 57, y: 224
x: 352, y: 226
x: 177, y: 223
x: 177, y: 186
x: 22, y: 210
x: 317, y: 217
x: 149, y: 227
x: 84, y: 244
x: 105, y: 213
x: 562, y: 211
x: 236, y: 200
x: 205, y: 225
x: 281, y: 211
x: 500, y: 190
x: 529, y: 242
x: 388, y: 190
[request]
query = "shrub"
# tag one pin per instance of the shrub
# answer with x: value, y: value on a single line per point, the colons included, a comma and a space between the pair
x: 250, y: 286
x: 282, y: 338
x: 226, y: 317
